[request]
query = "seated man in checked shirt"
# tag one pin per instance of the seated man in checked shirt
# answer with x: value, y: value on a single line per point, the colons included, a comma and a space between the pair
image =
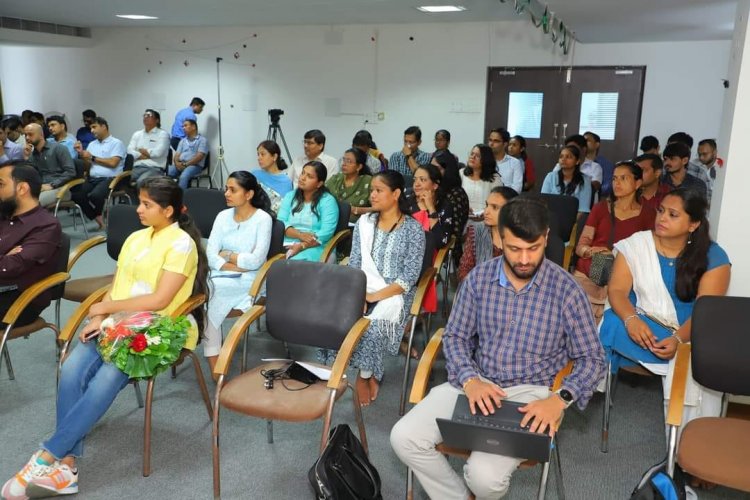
x: 527, y: 318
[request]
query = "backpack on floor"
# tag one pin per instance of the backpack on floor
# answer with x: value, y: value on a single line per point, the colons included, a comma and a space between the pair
x: 657, y: 485
x: 343, y: 471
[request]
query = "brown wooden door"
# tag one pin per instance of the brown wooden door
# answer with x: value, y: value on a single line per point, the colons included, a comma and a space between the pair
x: 545, y: 105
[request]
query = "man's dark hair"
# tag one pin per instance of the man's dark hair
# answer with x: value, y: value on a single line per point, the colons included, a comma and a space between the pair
x: 156, y: 115
x: 649, y: 142
x: 362, y: 138
x: 682, y: 137
x: 594, y: 135
x: 656, y: 162
x: 12, y: 123
x: 708, y: 142
x: 89, y: 113
x: 59, y: 119
x: 502, y: 132
x: 23, y: 171
x: 36, y: 115
x: 316, y: 135
x: 527, y: 217
x: 101, y: 121
x: 679, y: 149
x: 193, y: 122
x: 578, y: 140
x: 197, y: 101
x: 415, y: 131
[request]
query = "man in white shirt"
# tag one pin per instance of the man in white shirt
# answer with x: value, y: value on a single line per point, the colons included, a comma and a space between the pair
x: 509, y: 168
x: 149, y: 147
x: 315, y: 143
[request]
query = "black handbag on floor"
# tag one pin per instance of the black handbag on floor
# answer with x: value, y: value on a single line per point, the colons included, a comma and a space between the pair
x: 602, y: 263
x: 343, y: 471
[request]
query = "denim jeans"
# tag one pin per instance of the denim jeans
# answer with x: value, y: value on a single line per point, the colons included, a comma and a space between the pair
x: 186, y: 174
x: 88, y: 386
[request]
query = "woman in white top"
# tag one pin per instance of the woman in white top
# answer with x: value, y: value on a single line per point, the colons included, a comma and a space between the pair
x: 237, y: 248
x: 479, y: 177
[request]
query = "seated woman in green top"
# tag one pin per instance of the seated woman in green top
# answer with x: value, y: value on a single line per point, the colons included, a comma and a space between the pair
x: 309, y: 213
x: 352, y: 185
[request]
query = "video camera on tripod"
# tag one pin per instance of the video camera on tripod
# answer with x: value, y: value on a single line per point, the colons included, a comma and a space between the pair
x: 274, y: 115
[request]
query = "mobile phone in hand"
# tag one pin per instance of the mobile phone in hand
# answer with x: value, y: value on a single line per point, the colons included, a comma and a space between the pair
x: 92, y: 335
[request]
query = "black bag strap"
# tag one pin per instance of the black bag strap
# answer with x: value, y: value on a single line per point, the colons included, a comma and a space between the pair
x: 612, y: 218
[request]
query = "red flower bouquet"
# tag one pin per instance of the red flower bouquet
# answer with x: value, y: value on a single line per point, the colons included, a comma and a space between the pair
x: 142, y: 344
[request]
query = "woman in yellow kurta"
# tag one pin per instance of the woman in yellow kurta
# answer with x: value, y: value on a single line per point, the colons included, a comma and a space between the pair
x: 157, y: 270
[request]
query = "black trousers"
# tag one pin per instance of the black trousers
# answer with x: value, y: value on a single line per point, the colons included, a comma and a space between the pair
x: 92, y: 195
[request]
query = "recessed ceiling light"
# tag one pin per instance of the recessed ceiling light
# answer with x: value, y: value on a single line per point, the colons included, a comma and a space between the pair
x: 137, y: 17
x: 441, y: 8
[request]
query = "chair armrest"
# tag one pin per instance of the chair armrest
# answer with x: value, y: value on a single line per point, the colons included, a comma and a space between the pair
x: 564, y: 372
x: 424, y: 368
x: 66, y: 187
x: 260, y: 276
x: 191, y: 304
x: 424, y: 282
x: 233, y: 338
x: 75, y: 319
x: 679, y: 384
x: 30, y: 294
x: 119, y: 177
x: 84, y: 247
x: 345, y: 352
x: 328, y: 249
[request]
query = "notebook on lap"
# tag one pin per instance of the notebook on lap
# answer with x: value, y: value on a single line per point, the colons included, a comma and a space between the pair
x: 499, y: 433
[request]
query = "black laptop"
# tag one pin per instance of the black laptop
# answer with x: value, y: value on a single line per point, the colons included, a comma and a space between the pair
x: 500, y: 433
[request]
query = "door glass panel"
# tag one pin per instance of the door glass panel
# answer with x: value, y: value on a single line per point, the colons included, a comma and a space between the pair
x: 599, y: 113
x: 525, y: 114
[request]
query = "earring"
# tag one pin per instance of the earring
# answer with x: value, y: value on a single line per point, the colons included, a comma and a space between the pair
x: 690, y: 237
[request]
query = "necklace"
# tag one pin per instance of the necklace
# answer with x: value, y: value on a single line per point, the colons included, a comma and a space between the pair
x: 394, y: 225
x: 241, y: 220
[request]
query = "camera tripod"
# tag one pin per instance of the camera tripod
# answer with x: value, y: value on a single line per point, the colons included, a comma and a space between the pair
x: 220, y: 163
x: 274, y: 131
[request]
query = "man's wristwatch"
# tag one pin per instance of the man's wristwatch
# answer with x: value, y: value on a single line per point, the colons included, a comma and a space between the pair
x: 566, y: 396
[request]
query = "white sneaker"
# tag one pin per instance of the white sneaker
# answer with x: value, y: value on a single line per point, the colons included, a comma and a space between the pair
x: 58, y: 480
x: 15, y: 487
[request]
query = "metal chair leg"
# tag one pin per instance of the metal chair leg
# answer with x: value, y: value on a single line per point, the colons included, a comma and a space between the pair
x: 543, y: 482
x: 558, y: 473
x: 138, y: 395
x: 79, y: 211
x: 359, y: 419
x: 215, y: 440
x: 269, y: 431
x: 202, y: 384
x: 607, y: 408
x: 405, y: 383
x: 5, y: 353
x: 147, y: 428
x: 409, y: 484
x: 327, y: 421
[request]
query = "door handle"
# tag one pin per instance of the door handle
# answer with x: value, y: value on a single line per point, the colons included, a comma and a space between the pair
x: 554, y: 131
x: 565, y: 131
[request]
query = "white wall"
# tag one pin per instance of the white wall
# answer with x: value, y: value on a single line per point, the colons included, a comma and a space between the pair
x: 298, y: 68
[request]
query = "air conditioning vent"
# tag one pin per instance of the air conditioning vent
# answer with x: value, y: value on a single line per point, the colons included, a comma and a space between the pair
x: 13, y: 23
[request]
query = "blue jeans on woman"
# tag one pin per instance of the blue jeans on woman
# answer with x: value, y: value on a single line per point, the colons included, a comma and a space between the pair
x: 184, y: 176
x: 88, y: 386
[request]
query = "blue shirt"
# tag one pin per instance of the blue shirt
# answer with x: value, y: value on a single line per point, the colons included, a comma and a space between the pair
x: 525, y: 337
x: 511, y: 172
x: 69, y: 142
x: 551, y: 185
x: 179, y: 118
x: 399, y: 164
x: 189, y: 148
x: 107, y: 148
x: 85, y: 137
x: 12, y: 151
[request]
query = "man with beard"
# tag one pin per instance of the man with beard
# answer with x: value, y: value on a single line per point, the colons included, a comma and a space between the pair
x: 30, y: 239
x: 518, y: 319
x: 51, y: 160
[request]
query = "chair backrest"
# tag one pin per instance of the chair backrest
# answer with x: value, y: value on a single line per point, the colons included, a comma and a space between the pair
x: 204, y: 205
x: 80, y: 167
x: 129, y: 160
x: 720, y: 344
x: 565, y: 210
x: 311, y: 303
x: 123, y: 221
x: 345, y: 211
x: 207, y: 164
x: 580, y: 224
x: 429, y: 252
x: 555, y: 250
x: 62, y: 265
x: 277, y: 238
